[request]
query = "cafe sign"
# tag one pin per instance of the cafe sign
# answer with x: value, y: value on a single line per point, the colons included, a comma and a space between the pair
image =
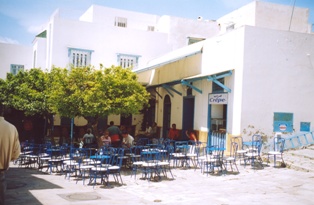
x: 221, y: 98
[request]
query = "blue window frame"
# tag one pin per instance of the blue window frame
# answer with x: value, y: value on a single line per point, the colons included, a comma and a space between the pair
x: 283, y: 122
x: 305, y: 126
x: 15, y: 68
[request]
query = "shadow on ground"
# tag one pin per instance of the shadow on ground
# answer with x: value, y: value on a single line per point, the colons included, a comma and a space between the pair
x: 21, y: 181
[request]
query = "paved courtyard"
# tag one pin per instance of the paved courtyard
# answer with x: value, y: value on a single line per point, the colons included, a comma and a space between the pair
x: 263, y: 186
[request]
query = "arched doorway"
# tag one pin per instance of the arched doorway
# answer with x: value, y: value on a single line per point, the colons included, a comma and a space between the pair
x: 188, y: 114
x: 166, y: 116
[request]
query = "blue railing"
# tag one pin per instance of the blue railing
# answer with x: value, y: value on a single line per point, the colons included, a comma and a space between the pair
x: 217, y: 139
x: 299, y: 140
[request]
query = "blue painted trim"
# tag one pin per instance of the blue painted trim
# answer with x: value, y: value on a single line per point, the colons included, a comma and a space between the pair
x: 79, y: 49
x: 171, y: 88
x: 166, y: 88
x: 214, y: 79
x: 157, y: 93
x: 125, y: 54
x: 187, y: 83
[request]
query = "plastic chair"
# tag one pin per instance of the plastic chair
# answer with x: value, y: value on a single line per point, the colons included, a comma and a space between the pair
x: 278, y: 147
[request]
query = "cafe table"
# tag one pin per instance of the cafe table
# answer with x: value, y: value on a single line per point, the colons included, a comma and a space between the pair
x: 101, y: 158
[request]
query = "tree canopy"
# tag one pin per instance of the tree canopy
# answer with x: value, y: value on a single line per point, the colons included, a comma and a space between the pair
x: 78, y: 92
x: 88, y: 92
x: 27, y: 91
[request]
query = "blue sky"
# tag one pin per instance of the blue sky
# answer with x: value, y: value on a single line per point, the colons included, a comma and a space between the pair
x: 22, y: 20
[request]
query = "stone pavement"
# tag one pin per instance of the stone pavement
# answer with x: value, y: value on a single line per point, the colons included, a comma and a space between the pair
x: 251, y: 186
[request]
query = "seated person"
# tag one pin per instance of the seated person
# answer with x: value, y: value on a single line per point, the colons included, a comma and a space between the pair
x: 89, y: 140
x: 105, y: 138
x: 148, y: 133
x: 173, y: 133
x: 127, y: 140
x: 191, y: 135
x: 153, y: 132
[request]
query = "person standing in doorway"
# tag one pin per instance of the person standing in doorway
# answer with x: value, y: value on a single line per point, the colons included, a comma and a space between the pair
x: 9, y: 150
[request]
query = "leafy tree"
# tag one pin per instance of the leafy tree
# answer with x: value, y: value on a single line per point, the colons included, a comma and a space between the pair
x: 3, y: 91
x: 88, y: 92
x: 27, y: 91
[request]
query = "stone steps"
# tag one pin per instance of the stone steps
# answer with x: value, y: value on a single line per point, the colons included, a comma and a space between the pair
x: 301, y: 159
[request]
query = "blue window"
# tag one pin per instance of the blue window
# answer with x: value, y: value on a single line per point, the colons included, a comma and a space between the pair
x: 283, y: 122
x: 127, y: 60
x: 16, y: 68
x: 305, y: 126
x: 79, y: 57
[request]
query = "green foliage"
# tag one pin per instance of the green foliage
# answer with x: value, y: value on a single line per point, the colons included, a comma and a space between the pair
x: 77, y: 92
x: 89, y: 92
x: 27, y: 91
x: 3, y: 91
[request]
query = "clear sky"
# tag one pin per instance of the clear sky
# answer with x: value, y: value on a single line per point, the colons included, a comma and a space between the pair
x: 22, y: 20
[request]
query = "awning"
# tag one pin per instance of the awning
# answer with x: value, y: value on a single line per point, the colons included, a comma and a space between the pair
x: 187, y: 82
x: 209, y: 77
x: 173, y: 56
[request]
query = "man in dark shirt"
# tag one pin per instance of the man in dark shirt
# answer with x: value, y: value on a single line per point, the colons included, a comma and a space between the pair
x: 115, y: 134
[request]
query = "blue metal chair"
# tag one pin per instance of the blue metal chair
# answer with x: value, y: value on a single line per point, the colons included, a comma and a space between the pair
x: 254, y: 151
x: 213, y: 158
x: 150, y: 168
x: 136, y: 159
x: 278, y: 148
x: 116, y: 164
x: 231, y: 160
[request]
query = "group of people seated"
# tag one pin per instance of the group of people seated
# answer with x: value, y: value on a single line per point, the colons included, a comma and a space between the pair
x: 112, y: 136
x: 115, y: 137
x: 174, y: 134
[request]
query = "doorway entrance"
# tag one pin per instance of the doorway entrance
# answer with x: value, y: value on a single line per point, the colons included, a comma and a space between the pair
x: 166, y: 116
x: 217, y: 119
x: 188, y: 115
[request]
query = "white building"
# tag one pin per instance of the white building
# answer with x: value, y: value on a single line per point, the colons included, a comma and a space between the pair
x: 256, y: 76
x: 110, y: 36
x: 14, y: 58
x: 253, y: 73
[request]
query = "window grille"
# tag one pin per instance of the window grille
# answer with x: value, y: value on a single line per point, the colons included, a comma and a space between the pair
x: 121, y: 22
x: 16, y: 68
x: 150, y: 28
x: 128, y: 61
x: 80, y: 58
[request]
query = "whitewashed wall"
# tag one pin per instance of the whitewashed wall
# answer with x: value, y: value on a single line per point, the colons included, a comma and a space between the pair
x: 268, y: 15
x: 278, y: 77
x: 40, y: 47
x: 14, y: 54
